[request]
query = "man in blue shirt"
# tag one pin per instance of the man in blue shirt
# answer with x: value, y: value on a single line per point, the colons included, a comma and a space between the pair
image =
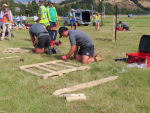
x: 18, y: 19
x: 72, y: 17
x: 7, y: 21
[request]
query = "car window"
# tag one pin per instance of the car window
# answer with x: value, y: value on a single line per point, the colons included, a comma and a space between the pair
x: 66, y: 15
x: 77, y: 14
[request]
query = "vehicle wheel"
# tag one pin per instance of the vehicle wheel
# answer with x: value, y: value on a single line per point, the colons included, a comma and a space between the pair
x: 65, y: 24
x: 85, y: 24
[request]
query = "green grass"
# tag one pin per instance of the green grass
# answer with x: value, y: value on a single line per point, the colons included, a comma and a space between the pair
x: 130, y: 93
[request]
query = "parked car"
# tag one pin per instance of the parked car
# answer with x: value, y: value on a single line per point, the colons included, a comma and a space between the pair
x: 83, y: 17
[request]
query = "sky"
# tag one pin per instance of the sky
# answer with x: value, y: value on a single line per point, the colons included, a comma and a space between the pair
x: 36, y: 0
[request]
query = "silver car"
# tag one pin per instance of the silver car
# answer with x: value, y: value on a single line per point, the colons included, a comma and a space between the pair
x: 83, y: 17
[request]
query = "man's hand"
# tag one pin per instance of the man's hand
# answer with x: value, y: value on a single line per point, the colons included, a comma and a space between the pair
x: 57, y: 22
x: 63, y: 57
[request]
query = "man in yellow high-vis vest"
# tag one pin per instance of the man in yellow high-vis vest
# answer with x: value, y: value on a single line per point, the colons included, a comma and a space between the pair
x: 42, y: 14
x: 72, y: 19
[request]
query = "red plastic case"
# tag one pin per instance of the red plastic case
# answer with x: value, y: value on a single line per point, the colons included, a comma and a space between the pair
x: 139, y: 57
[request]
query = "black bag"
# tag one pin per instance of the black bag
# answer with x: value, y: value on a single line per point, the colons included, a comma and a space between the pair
x: 144, y: 45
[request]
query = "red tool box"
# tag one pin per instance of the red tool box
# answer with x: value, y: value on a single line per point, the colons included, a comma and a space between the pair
x: 143, y: 55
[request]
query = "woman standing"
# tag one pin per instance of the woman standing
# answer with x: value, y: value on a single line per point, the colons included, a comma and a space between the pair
x: 97, y: 20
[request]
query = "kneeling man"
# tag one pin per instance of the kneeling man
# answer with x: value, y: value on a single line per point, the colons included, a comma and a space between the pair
x: 43, y: 38
x: 79, y: 39
x: 124, y: 26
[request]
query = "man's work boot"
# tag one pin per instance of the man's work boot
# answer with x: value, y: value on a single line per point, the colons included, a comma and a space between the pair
x: 48, y: 51
x: 99, y: 57
x: 55, y: 50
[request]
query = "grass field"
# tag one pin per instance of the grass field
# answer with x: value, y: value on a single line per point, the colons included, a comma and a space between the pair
x: 130, y: 93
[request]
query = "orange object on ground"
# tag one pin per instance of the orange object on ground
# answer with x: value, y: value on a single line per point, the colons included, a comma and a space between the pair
x: 52, y: 42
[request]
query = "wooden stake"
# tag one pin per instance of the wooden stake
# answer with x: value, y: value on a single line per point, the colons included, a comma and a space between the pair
x: 85, y: 85
x: 10, y: 57
x: 114, y: 27
x: 75, y: 98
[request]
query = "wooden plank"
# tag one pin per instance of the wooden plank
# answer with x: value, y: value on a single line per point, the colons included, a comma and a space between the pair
x: 62, y: 65
x: 70, y: 63
x: 45, y: 76
x: 85, y: 85
x: 32, y: 72
x: 71, y: 95
x: 114, y: 27
x: 48, y: 70
x: 48, y: 66
x: 10, y: 57
x: 44, y: 63
x: 75, y: 98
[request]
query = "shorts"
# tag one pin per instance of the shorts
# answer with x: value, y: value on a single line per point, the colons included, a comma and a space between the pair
x: 96, y: 21
x: 52, y: 24
x: 72, y: 23
x: 43, y: 41
x: 126, y: 28
x: 89, y: 51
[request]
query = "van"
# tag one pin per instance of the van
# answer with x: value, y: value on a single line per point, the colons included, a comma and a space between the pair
x: 83, y: 17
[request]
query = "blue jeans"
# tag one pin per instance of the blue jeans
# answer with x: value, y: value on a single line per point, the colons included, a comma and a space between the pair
x: 18, y: 22
x: 72, y: 22
x: 24, y: 22
x: 52, y: 24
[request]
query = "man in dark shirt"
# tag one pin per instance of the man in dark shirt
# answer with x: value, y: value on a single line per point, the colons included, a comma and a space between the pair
x: 43, y: 38
x: 124, y: 26
x: 79, y: 39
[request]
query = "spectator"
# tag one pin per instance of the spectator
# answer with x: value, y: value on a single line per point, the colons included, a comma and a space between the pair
x: 14, y: 26
x: 22, y: 26
x: 23, y: 19
x: 97, y: 18
x: 18, y: 19
x: 7, y: 20
x: 72, y: 17
x: 35, y: 18
x: 27, y: 25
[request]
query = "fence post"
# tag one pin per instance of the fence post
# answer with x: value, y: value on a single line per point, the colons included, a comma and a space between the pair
x: 114, y: 27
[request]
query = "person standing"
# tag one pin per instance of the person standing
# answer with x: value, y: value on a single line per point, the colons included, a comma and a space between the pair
x: 96, y: 21
x: 72, y: 17
x: 24, y: 19
x: 80, y: 39
x: 35, y: 18
x: 53, y: 20
x: 18, y: 19
x: 42, y: 15
x: 7, y: 16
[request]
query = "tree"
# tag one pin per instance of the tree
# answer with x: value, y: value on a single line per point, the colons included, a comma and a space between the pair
x: 35, y: 7
x: 77, y: 5
x: 30, y: 9
x: 84, y: 7
x: 66, y: 8
x: 60, y: 10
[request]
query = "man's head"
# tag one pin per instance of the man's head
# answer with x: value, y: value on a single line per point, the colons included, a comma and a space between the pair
x: 50, y: 3
x: 72, y: 10
x: 41, y: 2
x: 5, y: 6
x: 63, y: 31
x: 120, y: 22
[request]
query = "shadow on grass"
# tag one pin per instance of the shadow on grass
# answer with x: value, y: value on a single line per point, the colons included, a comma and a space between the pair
x: 55, y: 56
x: 27, y: 39
x: 104, y: 39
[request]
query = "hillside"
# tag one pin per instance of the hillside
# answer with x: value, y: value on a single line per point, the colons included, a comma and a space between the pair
x: 120, y: 3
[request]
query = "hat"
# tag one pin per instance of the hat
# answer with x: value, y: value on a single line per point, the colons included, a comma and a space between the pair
x: 50, y: 1
x: 72, y: 9
x: 4, y: 5
x: 61, y: 29
x: 41, y: 1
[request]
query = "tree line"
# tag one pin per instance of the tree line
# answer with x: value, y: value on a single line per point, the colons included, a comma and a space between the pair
x: 32, y: 7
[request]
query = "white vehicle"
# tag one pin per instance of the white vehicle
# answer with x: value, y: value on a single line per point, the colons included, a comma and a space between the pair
x: 83, y: 17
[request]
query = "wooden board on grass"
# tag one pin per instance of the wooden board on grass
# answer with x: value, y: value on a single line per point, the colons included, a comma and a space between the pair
x: 85, y: 85
x: 17, y: 50
x: 51, y: 70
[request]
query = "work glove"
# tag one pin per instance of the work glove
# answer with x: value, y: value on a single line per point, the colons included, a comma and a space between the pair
x: 63, y: 57
x: 73, y: 57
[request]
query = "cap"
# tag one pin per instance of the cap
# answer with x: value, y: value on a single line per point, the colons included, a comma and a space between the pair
x: 61, y: 29
x: 72, y: 9
x: 4, y: 5
x: 41, y: 1
x: 50, y: 1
